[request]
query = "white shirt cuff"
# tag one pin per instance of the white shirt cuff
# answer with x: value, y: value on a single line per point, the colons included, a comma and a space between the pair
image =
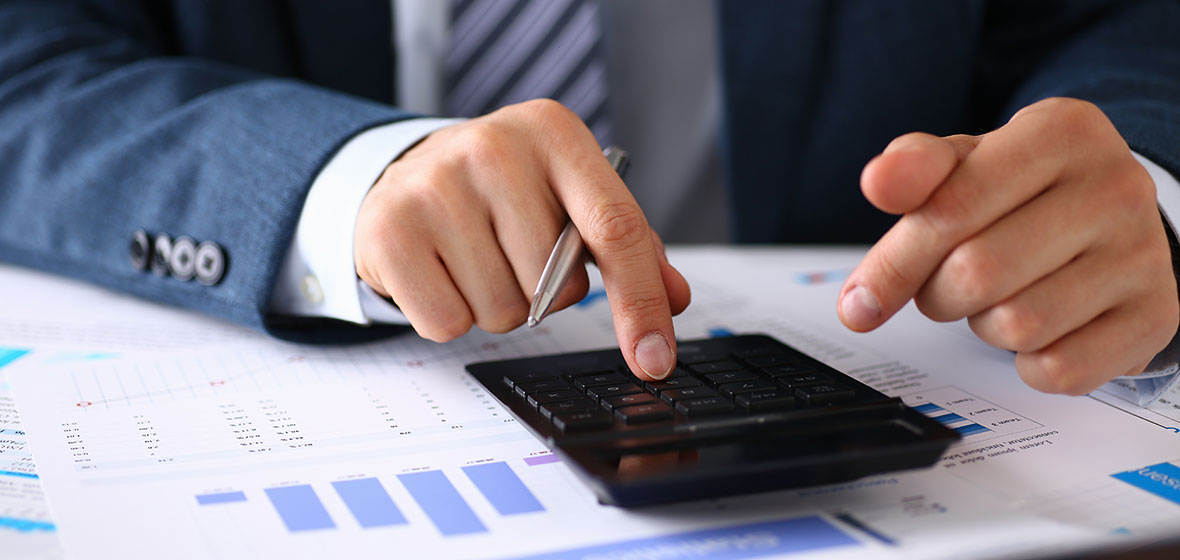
x: 318, y: 277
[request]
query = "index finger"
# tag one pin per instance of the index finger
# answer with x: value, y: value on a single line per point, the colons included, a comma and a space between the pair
x: 616, y: 233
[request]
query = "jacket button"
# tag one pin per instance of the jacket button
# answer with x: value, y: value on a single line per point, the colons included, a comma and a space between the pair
x: 141, y: 250
x: 210, y: 263
x: 182, y: 263
x: 160, y: 254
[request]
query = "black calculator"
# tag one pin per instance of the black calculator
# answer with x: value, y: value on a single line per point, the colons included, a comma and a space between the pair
x: 738, y: 414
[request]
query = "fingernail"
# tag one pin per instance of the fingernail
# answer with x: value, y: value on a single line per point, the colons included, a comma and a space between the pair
x: 653, y: 355
x: 860, y: 308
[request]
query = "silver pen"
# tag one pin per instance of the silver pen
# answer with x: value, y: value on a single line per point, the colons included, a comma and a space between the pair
x: 567, y: 253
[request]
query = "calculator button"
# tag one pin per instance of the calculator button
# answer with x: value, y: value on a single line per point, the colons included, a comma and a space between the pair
x: 686, y: 394
x: 611, y: 403
x: 587, y: 381
x: 544, y: 397
x: 691, y: 357
x: 511, y: 379
x: 658, y: 387
x: 549, y: 409
x: 524, y: 389
x: 729, y: 377
x: 571, y: 374
x: 714, y: 367
x: 775, y: 360
x: 804, y: 380
x: 824, y: 394
x: 643, y: 413
x: 765, y: 400
x: 780, y: 371
x: 731, y: 389
x: 582, y: 421
x: 703, y: 407
x: 757, y: 351
x: 603, y: 391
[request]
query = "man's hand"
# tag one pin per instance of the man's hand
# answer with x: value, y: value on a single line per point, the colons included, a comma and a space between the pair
x: 458, y: 229
x: 1045, y: 234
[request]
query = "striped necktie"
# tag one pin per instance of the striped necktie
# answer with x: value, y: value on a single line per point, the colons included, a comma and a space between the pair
x: 507, y: 51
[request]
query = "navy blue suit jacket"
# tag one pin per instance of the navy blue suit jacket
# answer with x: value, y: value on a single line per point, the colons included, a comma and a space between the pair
x: 210, y: 119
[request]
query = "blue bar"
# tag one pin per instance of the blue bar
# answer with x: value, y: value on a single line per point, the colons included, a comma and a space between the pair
x: 971, y: 429
x: 1162, y: 479
x: 9, y: 355
x: 720, y: 332
x: 949, y: 418
x: 503, y: 488
x: 222, y: 498
x: 25, y: 525
x: 19, y: 474
x: 802, y: 534
x: 369, y: 503
x: 300, y: 508
x: 928, y: 408
x: 442, y: 503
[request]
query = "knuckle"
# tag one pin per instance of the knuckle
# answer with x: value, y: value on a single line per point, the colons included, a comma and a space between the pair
x: 617, y: 228
x: 485, y: 143
x: 972, y: 271
x: 1017, y: 327
x: 444, y: 329
x: 1081, y: 112
x: 1128, y: 191
x: 1055, y: 372
x: 504, y: 318
x: 391, y: 233
x: 546, y: 110
x: 950, y: 210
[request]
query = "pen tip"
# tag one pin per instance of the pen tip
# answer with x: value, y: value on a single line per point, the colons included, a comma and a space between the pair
x: 533, y: 321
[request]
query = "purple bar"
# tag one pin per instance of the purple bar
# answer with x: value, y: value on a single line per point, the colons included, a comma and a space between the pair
x: 541, y: 460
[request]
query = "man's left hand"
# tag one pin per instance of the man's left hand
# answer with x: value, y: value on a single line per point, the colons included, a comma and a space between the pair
x: 1044, y: 234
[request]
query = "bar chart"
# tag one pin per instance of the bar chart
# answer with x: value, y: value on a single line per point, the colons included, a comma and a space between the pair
x: 968, y: 414
x: 951, y: 420
x: 301, y: 507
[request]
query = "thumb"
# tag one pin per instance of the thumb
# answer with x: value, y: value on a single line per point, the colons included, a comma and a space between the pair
x: 912, y: 166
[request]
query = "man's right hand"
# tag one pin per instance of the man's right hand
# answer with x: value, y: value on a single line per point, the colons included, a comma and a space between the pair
x: 458, y: 229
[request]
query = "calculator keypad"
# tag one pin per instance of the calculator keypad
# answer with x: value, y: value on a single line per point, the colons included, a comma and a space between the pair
x: 706, y: 382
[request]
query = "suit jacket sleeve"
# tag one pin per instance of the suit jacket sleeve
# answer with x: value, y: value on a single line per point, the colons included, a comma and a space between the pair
x: 103, y: 133
x: 1122, y: 55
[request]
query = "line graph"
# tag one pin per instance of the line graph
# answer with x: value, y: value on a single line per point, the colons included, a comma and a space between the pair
x: 223, y: 374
